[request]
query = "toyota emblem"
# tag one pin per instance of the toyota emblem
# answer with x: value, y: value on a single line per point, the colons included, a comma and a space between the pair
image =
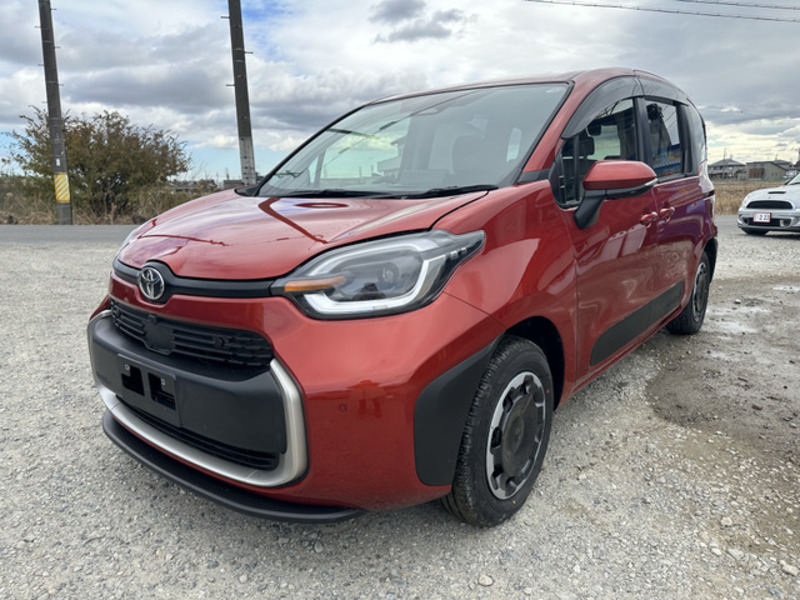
x: 151, y: 283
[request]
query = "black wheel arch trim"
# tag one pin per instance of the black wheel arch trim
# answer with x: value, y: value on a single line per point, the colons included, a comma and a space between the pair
x: 218, y: 491
x: 441, y: 414
x: 711, y: 248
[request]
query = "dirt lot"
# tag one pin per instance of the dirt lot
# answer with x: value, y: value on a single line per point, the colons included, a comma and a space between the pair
x: 676, y: 475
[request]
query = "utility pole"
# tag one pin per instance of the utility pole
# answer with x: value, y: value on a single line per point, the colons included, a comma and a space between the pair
x: 244, y: 127
x: 55, y: 121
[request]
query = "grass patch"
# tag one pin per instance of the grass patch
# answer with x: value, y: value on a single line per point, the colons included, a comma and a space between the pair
x: 22, y: 203
x: 731, y: 193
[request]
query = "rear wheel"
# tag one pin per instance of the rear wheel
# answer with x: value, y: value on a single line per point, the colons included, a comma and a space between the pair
x: 506, y: 435
x: 691, y: 318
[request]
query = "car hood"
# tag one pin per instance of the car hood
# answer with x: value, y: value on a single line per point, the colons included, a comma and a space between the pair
x: 788, y: 193
x: 227, y: 236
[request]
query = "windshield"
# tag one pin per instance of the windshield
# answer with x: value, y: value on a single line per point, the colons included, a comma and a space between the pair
x: 433, y: 144
x: 794, y: 180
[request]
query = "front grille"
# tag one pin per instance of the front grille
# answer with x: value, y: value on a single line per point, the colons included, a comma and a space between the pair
x: 210, y: 345
x: 773, y: 204
x: 264, y: 461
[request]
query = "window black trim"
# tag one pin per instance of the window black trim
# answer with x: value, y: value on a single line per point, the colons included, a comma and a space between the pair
x: 531, y: 176
x: 599, y: 99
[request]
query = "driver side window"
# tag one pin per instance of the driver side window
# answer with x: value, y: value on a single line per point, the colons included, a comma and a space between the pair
x: 610, y: 136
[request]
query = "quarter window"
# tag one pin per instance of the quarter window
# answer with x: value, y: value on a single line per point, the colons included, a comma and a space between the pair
x: 698, y: 139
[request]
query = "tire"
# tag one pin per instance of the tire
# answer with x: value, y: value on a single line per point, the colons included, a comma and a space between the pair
x: 691, y: 318
x: 506, y: 435
x: 750, y: 231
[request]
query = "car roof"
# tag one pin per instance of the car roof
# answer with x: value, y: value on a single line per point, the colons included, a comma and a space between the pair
x: 589, y: 78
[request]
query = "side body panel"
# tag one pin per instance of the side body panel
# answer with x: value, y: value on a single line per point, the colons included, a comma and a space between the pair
x: 617, y: 264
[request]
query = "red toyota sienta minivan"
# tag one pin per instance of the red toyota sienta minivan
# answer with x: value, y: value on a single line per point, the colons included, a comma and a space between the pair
x: 393, y: 313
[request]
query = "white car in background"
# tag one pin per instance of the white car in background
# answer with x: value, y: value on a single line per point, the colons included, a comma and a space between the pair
x: 772, y: 209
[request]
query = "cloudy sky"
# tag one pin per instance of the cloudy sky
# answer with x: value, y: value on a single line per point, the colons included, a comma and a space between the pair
x: 167, y: 63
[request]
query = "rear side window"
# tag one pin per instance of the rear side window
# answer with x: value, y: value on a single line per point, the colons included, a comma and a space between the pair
x: 666, y: 154
x: 697, y: 136
x: 610, y: 136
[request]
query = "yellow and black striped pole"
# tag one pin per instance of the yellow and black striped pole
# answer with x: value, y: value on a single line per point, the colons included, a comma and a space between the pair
x: 62, y: 188
x: 56, y: 123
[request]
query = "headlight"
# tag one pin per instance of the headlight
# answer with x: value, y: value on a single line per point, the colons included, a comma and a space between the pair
x: 382, y: 277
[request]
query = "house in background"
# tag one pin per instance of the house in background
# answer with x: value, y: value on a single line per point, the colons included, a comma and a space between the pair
x: 202, y: 186
x: 769, y: 170
x: 727, y: 168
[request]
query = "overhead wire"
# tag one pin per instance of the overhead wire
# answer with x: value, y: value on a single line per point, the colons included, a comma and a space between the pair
x: 676, y: 11
x: 742, y: 4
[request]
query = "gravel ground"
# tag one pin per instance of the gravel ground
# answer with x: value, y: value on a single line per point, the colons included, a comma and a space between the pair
x: 675, y: 475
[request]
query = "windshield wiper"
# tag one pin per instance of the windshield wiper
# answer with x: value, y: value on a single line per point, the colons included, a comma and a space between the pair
x: 369, y: 136
x: 453, y: 190
x: 344, y: 193
x: 336, y: 193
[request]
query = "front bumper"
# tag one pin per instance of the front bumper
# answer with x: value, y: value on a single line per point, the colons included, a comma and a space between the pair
x: 780, y: 220
x: 365, y: 391
x: 230, y: 496
x: 245, y: 428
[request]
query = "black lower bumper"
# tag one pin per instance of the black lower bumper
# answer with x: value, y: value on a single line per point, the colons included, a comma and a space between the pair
x: 240, y: 408
x: 778, y: 223
x: 214, y: 489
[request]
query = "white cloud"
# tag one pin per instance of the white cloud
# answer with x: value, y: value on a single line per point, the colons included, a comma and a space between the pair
x: 21, y: 90
x: 286, y: 143
x: 226, y: 142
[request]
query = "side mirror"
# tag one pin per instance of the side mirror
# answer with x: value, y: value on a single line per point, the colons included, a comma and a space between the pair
x: 610, y: 180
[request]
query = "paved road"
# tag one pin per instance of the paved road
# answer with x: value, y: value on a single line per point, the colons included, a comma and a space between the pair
x: 60, y: 234
x: 727, y: 225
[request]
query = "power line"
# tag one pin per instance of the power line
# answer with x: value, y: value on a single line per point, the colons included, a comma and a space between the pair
x: 741, y: 4
x: 671, y: 11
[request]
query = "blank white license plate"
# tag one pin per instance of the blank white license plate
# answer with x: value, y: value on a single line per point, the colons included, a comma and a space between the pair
x: 762, y: 217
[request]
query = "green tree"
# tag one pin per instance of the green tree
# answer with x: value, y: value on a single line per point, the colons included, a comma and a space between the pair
x: 110, y: 160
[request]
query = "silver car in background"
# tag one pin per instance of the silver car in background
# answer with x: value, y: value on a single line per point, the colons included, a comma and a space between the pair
x: 772, y: 209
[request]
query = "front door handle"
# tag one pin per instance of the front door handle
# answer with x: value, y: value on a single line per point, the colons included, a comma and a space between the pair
x: 649, y: 218
x: 666, y: 213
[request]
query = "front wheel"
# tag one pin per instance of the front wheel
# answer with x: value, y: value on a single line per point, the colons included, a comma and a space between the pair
x: 506, y: 435
x: 691, y: 318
